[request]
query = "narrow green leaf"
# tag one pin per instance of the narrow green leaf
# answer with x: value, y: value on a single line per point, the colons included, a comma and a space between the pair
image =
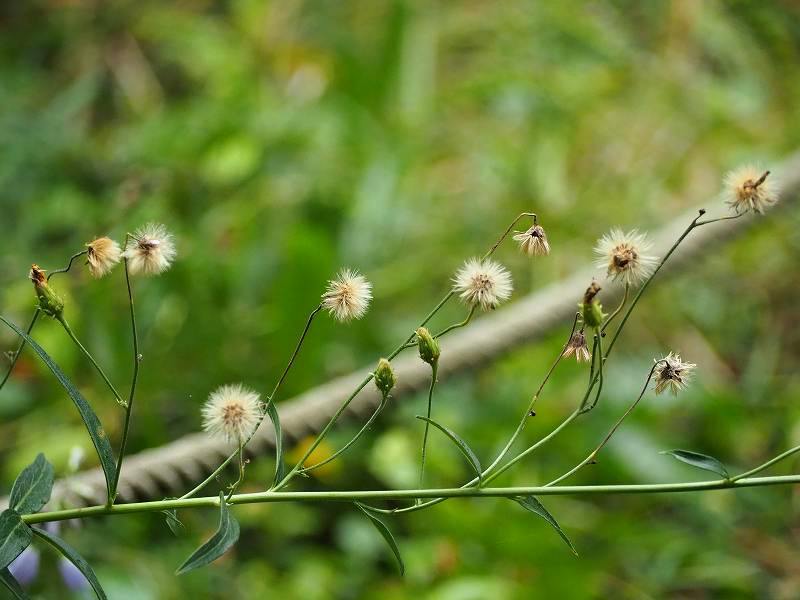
x: 226, y: 536
x: 12, y: 585
x: 15, y: 536
x: 701, y: 461
x: 387, y: 535
x: 173, y: 522
x: 93, y: 425
x: 461, y: 444
x: 280, y: 467
x: 532, y: 504
x: 76, y: 559
x: 32, y: 488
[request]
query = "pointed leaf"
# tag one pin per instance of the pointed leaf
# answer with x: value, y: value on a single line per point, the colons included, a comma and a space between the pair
x: 280, y: 467
x: 701, y: 461
x: 12, y: 585
x: 226, y: 536
x: 173, y: 522
x: 15, y: 536
x: 76, y: 559
x: 32, y: 488
x: 461, y: 444
x: 387, y: 535
x: 532, y: 504
x: 93, y: 425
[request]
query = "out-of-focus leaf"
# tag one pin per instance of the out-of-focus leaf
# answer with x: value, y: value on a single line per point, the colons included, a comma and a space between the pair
x: 76, y: 559
x: 227, y: 535
x: 15, y: 536
x: 701, y: 461
x: 12, y: 585
x: 280, y: 468
x: 93, y: 425
x: 461, y: 444
x: 173, y: 522
x: 32, y: 487
x: 532, y: 504
x: 387, y: 535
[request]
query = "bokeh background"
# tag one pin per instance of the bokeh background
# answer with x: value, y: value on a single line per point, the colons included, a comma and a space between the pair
x: 282, y: 140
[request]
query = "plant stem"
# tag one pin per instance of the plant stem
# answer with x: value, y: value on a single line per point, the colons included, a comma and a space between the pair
x: 97, y: 367
x: 434, y: 370
x: 596, y: 451
x: 20, y: 347
x: 367, y: 495
x: 271, y: 398
x: 69, y: 264
x: 614, y: 314
x: 463, y: 323
x: 126, y: 426
x: 767, y: 464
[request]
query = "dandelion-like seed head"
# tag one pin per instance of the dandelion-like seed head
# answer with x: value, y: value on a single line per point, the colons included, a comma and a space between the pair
x: 577, y: 347
x: 624, y: 255
x: 348, y: 296
x: 672, y: 373
x: 101, y: 255
x: 750, y: 189
x: 533, y: 242
x: 152, y: 250
x: 483, y: 283
x: 232, y: 412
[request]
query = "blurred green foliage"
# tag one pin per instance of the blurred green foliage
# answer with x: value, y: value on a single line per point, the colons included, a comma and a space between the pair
x: 282, y: 140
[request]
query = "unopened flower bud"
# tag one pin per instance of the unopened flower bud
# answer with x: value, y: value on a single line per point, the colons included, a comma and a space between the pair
x: 591, y: 309
x: 428, y: 347
x: 49, y: 302
x: 385, y: 379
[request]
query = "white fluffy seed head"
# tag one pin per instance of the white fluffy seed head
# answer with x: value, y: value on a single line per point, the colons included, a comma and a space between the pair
x: 151, y: 252
x: 348, y: 296
x: 624, y: 255
x: 101, y: 255
x: 672, y: 373
x: 483, y: 283
x: 750, y: 189
x: 533, y: 242
x: 232, y: 412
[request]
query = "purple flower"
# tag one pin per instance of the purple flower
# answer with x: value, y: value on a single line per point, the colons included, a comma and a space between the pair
x: 72, y: 576
x: 25, y: 567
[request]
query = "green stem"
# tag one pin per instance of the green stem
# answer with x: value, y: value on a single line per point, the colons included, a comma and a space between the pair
x: 355, y: 438
x: 71, y: 334
x: 598, y: 343
x: 463, y: 323
x: 767, y: 464
x: 368, y: 495
x: 271, y: 398
x: 126, y: 426
x: 69, y: 264
x: 614, y: 314
x: 434, y: 370
x: 20, y: 347
x: 593, y: 455
x: 238, y: 482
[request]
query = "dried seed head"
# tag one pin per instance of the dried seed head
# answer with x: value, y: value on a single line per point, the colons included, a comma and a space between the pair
x: 232, y: 412
x: 102, y: 254
x: 533, y: 242
x: 385, y: 379
x: 624, y: 255
x: 429, y: 350
x: 483, y: 283
x: 577, y: 346
x: 347, y: 297
x: 750, y: 189
x: 50, y: 303
x: 671, y: 372
x: 152, y: 251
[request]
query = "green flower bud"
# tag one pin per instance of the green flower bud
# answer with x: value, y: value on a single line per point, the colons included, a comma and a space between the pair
x: 49, y: 302
x: 591, y: 309
x: 385, y: 379
x: 429, y: 350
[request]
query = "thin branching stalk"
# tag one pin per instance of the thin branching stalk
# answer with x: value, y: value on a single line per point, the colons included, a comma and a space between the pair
x: 20, y: 347
x: 88, y: 355
x: 768, y: 464
x: 137, y: 359
x: 72, y: 259
x: 271, y: 398
x: 379, y: 495
x: 463, y: 323
x: 593, y: 455
x: 614, y: 314
x: 434, y: 372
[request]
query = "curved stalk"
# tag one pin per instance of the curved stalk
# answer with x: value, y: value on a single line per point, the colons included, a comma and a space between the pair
x: 434, y: 370
x: 767, y: 464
